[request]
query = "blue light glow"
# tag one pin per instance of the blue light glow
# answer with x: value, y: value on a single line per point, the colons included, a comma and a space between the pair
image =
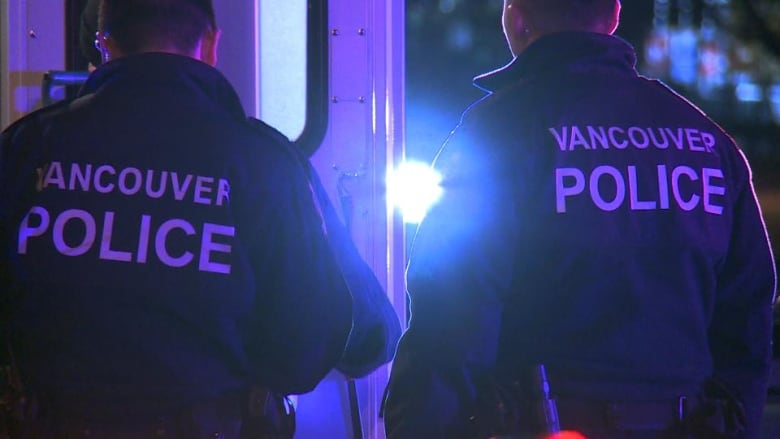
x: 749, y: 92
x: 774, y: 101
x: 413, y: 188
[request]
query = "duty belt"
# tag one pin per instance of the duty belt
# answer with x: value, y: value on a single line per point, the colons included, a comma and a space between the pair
x: 220, y: 418
x: 623, y: 415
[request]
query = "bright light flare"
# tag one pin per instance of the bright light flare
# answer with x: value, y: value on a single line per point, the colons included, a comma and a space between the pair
x: 413, y: 188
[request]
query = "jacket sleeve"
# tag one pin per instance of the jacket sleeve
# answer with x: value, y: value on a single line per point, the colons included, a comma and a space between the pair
x: 18, y: 177
x: 303, y: 309
x: 459, y: 268
x: 18, y: 163
x: 5, y: 228
x: 741, y: 328
x: 375, y: 327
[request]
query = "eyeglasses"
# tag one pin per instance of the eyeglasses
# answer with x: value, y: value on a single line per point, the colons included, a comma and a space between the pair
x: 97, y: 43
x: 99, y: 37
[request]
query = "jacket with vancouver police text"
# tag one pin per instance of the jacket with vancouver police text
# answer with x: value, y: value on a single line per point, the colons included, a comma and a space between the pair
x: 592, y: 221
x: 159, y: 251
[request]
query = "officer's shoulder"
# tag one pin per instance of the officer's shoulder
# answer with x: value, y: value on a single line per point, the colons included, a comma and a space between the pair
x: 688, y: 105
x: 266, y: 131
x: 34, y: 118
x: 276, y: 143
x: 664, y: 87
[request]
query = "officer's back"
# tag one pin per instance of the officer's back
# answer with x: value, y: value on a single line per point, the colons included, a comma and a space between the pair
x: 163, y: 254
x: 595, y: 223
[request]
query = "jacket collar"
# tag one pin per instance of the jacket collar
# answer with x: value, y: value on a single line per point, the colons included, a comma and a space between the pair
x: 564, y: 51
x: 164, y: 68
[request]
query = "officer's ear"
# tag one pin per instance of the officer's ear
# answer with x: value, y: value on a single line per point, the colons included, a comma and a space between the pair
x: 208, y: 47
x: 107, y: 47
x: 615, y: 19
x: 516, y: 27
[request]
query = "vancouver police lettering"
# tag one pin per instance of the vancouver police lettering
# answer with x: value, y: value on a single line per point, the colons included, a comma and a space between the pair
x: 704, y: 185
x: 39, y: 223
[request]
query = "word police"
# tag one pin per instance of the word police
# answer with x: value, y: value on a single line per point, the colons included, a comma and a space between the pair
x: 95, y: 231
x: 610, y: 188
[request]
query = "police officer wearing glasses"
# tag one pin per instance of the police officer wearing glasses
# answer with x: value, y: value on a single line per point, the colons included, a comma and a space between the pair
x: 598, y: 261
x: 160, y: 255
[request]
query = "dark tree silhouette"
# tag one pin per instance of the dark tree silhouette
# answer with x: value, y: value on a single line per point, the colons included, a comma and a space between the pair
x: 758, y: 20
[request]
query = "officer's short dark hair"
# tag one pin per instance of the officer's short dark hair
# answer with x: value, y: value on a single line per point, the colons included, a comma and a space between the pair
x: 136, y: 25
x: 586, y: 15
x: 87, y: 29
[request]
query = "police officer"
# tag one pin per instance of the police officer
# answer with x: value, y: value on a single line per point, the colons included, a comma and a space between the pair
x: 160, y: 255
x: 376, y: 328
x: 594, y: 223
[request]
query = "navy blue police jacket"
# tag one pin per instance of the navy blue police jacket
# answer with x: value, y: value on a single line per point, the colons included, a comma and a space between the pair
x: 376, y: 328
x: 595, y: 222
x: 159, y: 250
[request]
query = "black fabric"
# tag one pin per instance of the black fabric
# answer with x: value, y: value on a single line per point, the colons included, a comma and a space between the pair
x: 268, y: 416
x: 592, y: 221
x: 376, y: 328
x: 218, y: 418
x: 173, y: 253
